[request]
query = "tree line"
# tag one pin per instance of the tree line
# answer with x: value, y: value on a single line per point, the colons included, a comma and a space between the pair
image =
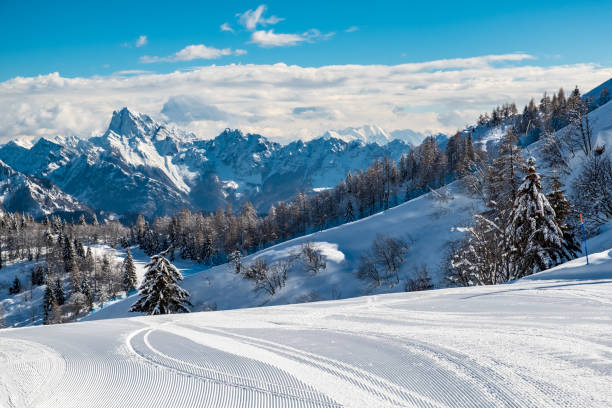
x: 522, y: 229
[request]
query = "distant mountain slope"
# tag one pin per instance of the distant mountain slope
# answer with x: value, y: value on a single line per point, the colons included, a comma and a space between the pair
x: 34, y: 196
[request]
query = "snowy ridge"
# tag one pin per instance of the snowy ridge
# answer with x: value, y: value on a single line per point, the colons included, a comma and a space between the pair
x: 31, y: 195
x: 140, y: 165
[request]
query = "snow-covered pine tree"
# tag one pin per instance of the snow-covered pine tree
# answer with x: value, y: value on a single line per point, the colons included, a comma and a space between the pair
x: 59, y: 292
x: 563, y: 208
x: 235, y: 258
x: 160, y: 292
x: 70, y: 266
x: 349, y: 214
x: 16, y: 287
x: 129, y: 272
x: 536, y: 239
x: 49, y: 302
x: 480, y: 258
x: 505, y: 175
x: 86, y: 291
x: 79, y: 249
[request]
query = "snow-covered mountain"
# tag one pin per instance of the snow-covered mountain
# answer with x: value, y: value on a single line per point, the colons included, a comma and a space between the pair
x: 366, y: 134
x: 140, y: 165
x: 375, y: 134
x: 33, y: 195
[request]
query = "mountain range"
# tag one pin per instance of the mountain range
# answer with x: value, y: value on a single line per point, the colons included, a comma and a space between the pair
x: 142, y: 166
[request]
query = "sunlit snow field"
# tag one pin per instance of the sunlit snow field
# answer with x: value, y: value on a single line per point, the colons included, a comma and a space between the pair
x: 539, y: 342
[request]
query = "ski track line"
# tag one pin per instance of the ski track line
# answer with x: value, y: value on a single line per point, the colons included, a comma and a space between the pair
x: 526, y: 385
x: 475, y: 374
x: 360, y: 378
x: 34, y: 369
x: 390, y: 392
x: 120, y: 381
x: 344, y: 392
x: 488, y: 377
x: 261, y: 374
x: 535, y: 391
x: 254, y: 392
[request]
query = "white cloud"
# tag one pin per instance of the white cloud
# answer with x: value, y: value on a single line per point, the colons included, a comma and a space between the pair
x: 269, y: 38
x: 285, y: 102
x: 250, y: 19
x: 226, y: 27
x: 193, y: 52
x: 141, y: 41
x: 132, y: 72
x: 351, y: 29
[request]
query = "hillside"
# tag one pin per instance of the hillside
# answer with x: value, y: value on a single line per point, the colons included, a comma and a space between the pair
x: 424, y: 222
x: 538, y: 342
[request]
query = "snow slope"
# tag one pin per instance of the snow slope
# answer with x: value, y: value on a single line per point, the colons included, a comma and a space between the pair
x: 425, y: 222
x: 538, y: 342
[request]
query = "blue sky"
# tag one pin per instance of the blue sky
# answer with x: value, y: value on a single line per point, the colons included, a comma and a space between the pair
x: 78, y: 38
x: 287, y: 70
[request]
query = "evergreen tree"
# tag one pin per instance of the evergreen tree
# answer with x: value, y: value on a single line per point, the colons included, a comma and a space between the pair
x: 49, y: 302
x: 37, y: 275
x: 59, y: 292
x: 16, y: 287
x: 129, y: 272
x: 563, y: 208
x: 70, y: 265
x: 86, y: 291
x: 536, y: 239
x: 79, y: 249
x: 349, y: 214
x: 160, y: 292
x: 235, y: 259
x: 504, y: 177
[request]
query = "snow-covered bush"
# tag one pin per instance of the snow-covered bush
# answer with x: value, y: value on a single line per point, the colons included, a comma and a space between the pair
x: 313, y: 259
x: 420, y: 280
x: 268, y: 278
x: 380, y: 265
x: 592, y: 191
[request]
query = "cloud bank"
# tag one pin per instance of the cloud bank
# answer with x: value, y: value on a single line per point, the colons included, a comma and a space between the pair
x: 287, y: 102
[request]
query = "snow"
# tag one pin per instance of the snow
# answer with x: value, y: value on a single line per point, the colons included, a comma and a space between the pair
x: 538, y: 342
x: 426, y: 223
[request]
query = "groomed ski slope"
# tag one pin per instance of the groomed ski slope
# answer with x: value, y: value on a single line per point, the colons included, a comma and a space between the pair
x: 540, y: 342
